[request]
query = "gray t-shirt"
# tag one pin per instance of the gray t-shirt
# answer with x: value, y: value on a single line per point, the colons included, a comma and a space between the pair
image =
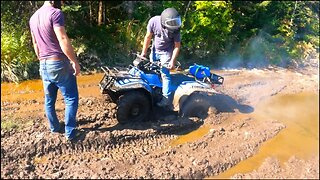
x: 41, y: 24
x: 163, y: 41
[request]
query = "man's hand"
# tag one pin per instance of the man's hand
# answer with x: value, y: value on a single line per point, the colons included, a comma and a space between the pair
x: 143, y: 54
x: 171, y: 65
x: 76, y: 68
x: 142, y: 57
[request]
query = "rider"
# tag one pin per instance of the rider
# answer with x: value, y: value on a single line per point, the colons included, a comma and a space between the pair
x: 165, y: 31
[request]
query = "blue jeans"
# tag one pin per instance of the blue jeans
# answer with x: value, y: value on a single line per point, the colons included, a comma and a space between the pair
x: 58, y: 74
x: 165, y: 72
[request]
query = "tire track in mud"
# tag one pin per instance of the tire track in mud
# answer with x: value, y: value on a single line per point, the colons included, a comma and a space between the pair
x: 121, y: 142
x: 116, y: 146
x: 93, y: 141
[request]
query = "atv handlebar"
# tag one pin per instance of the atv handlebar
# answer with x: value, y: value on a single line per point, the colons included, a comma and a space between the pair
x: 141, y: 57
x: 143, y: 62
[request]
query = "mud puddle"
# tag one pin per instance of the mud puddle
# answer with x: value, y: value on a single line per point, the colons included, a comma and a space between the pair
x: 300, y: 138
x: 25, y: 100
x: 191, y: 137
x: 33, y: 89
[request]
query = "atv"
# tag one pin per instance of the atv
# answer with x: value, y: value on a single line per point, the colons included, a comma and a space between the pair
x: 138, y: 88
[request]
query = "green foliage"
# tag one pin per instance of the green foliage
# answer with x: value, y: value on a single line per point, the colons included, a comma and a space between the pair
x: 131, y: 35
x: 272, y: 32
x: 255, y: 33
x: 298, y: 27
x: 207, y: 28
x: 18, y: 60
x: 17, y: 57
x: 9, y: 124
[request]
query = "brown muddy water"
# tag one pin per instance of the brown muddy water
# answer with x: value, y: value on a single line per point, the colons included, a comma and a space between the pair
x: 300, y: 138
x: 33, y: 89
x: 192, y: 136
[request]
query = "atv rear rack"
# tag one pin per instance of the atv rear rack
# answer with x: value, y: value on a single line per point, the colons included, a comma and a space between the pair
x: 108, y: 78
x: 107, y: 70
x: 213, y: 79
x: 111, y: 75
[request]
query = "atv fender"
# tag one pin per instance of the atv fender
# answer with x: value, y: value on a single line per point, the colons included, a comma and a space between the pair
x: 129, y: 84
x: 186, y: 88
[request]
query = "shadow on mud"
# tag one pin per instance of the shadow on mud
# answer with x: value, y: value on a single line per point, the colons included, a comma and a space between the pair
x: 225, y: 103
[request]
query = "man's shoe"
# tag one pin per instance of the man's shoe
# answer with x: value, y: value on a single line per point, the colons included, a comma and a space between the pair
x: 60, y: 130
x: 78, y: 134
x: 164, y: 102
x: 170, y: 107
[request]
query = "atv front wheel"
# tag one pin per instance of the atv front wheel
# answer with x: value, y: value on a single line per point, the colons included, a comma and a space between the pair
x: 132, y: 107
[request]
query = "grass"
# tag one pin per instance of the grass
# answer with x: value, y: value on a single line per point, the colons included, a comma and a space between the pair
x: 9, y: 124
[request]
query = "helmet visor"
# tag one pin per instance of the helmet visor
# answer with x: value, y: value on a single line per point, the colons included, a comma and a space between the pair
x: 174, y: 23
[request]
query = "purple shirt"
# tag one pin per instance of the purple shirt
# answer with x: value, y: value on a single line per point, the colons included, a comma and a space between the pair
x: 41, y: 25
x: 163, y: 42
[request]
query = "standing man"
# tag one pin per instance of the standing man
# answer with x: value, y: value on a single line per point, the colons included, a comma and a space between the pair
x: 58, y: 65
x: 165, y: 30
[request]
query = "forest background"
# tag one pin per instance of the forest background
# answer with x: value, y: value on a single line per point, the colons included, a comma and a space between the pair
x: 221, y: 34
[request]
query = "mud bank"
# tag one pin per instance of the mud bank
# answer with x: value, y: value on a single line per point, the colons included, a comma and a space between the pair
x: 167, y: 146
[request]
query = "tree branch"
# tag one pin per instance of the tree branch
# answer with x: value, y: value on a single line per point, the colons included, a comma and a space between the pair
x: 185, y: 14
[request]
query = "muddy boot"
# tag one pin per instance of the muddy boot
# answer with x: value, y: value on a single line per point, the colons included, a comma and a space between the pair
x: 61, y: 129
x: 169, y: 107
x: 77, y: 135
x: 163, y: 103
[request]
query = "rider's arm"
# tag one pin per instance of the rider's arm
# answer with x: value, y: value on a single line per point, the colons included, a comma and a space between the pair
x: 35, y: 46
x: 146, y: 43
x: 66, y: 47
x: 175, y: 53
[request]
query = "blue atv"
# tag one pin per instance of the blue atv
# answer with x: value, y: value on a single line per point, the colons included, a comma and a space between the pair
x: 138, y: 88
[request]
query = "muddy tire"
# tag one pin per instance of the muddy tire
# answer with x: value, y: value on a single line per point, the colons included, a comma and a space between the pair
x: 196, y: 105
x: 132, y: 107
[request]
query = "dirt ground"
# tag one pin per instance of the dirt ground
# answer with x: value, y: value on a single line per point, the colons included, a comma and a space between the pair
x: 156, y: 148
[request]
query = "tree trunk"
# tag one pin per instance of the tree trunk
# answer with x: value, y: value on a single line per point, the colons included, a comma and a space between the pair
x: 130, y: 7
x: 104, y: 13
x: 90, y: 12
x: 100, y: 13
x: 185, y: 13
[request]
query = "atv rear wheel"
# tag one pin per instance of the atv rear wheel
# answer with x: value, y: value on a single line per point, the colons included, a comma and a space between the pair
x: 132, y: 107
x: 196, y: 105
